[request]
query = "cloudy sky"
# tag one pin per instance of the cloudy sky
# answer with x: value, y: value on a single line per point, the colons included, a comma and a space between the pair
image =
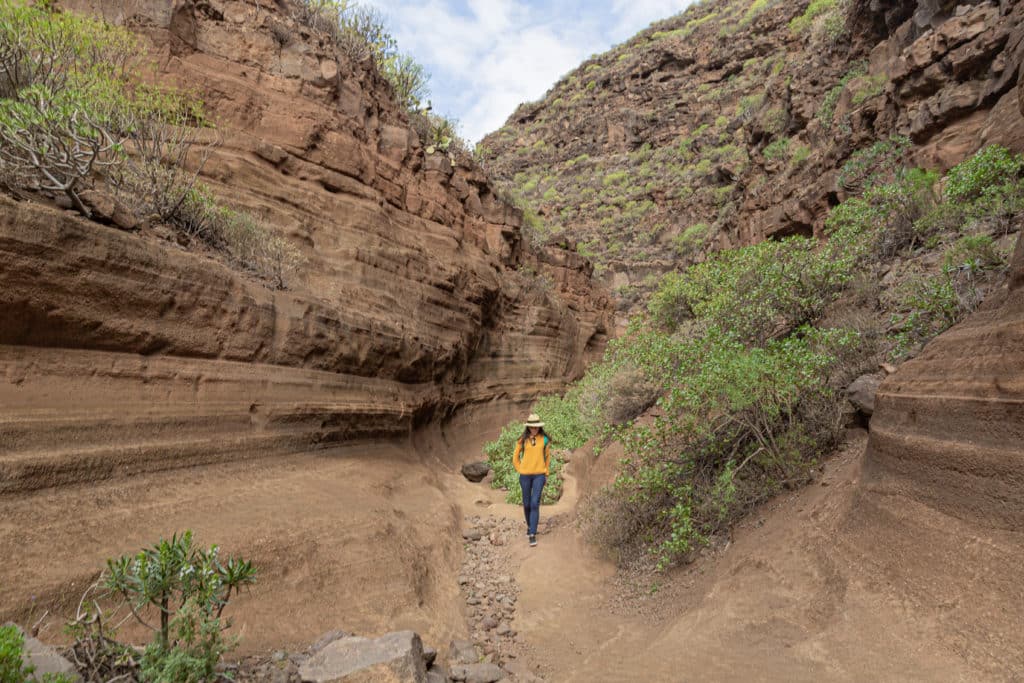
x: 487, y: 56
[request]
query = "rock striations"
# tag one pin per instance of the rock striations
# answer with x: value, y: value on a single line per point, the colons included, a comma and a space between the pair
x: 122, y: 353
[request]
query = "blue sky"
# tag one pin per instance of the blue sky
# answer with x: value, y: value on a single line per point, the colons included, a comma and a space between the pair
x: 487, y: 56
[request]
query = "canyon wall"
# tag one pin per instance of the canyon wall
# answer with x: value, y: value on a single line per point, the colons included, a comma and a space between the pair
x: 121, y: 352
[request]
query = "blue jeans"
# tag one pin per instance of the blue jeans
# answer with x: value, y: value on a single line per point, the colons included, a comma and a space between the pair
x: 532, y: 485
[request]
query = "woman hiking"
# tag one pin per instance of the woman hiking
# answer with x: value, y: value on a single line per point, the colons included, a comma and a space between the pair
x: 532, y: 459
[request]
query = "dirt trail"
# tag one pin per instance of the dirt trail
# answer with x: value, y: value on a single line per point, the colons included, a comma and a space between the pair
x: 827, y: 583
x: 807, y: 590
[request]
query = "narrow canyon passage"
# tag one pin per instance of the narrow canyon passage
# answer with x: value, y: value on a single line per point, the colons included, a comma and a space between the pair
x: 367, y: 539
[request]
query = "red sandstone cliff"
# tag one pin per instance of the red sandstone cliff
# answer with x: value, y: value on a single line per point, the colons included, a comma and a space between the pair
x: 121, y: 352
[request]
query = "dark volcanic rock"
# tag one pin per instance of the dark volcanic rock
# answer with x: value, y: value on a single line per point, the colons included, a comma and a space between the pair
x: 475, y: 471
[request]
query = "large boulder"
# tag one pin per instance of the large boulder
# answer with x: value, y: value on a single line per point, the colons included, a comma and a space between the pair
x: 475, y: 471
x: 861, y: 393
x: 392, y: 658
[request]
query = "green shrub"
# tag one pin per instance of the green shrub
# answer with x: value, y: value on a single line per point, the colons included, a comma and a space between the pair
x: 615, y: 178
x: 866, y: 87
x: 887, y: 218
x: 756, y: 7
x: 777, y: 149
x: 984, y: 173
x: 739, y: 424
x: 800, y: 154
x: 180, y: 592
x: 247, y: 241
x: 974, y: 253
x: 12, y: 666
x: 774, y: 120
x: 64, y: 103
x: 827, y: 109
x: 929, y: 305
x: 749, y: 104
x: 874, y: 165
x: 815, y: 9
x: 360, y: 32
x: 758, y: 292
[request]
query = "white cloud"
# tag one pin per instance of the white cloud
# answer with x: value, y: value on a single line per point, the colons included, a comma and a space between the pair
x: 487, y: 56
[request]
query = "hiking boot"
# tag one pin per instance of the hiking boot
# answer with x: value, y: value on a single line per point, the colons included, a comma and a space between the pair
x: 533, y: 540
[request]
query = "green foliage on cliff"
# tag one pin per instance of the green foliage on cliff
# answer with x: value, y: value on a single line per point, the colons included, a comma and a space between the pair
x: 73, y: 118
x: 361, y: 32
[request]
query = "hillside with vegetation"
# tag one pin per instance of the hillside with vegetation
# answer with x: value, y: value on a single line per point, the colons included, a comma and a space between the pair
x: 730, y: 123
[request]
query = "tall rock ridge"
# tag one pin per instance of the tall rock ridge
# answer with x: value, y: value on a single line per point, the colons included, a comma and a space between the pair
x: 729, y: 123
x: 122, y: 352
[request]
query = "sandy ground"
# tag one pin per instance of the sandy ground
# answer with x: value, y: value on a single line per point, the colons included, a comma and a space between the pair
x: 801, y: 593
x: 823, y: 584
x: 362, y: 539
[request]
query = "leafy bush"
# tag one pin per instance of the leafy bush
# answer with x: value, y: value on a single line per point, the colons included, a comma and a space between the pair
x: 929, y: 305
x: 874, y: 165
x: 186, y: 590
x: 974, y: 253
x: 12, y: 666
x: 691, y: 239
x: 815, y: 9
x: 630, y: 393
x: 777, y: 149
x: 439, y: 134
x: 248, y: 242
x: 990, y: 168
x: 866, y: 87
x: 800, y: 154
x: 167, y: 151
x: 63, y: 99
x: 740, y: 423
x: 886, y: 218
x: 827, y: 109
x: 756, y: 292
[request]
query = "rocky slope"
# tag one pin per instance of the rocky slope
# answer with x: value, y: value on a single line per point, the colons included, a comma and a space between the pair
x: 123, y: 353
x: 729, y: 123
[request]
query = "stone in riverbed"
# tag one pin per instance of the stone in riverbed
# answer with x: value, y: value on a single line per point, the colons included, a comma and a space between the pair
x: 463, y: 652
x: 476, y: 673
x: 392, y: 658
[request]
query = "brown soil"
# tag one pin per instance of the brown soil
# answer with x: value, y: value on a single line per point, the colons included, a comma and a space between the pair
x: 822, y: 584
x: 361, y: 539
x: 828, y: 583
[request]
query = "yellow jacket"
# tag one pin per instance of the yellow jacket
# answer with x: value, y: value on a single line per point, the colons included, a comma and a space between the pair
x: 532, y: 456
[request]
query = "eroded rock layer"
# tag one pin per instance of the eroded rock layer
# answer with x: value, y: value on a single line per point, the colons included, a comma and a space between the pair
x: 948, y: 429
x: 122, y: 353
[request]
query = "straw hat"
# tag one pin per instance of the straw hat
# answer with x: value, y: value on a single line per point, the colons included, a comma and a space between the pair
x: 534, y: 421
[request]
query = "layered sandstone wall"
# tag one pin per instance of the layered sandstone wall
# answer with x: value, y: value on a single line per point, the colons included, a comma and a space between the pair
x: 948, y: 427
x: 122, y: 352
